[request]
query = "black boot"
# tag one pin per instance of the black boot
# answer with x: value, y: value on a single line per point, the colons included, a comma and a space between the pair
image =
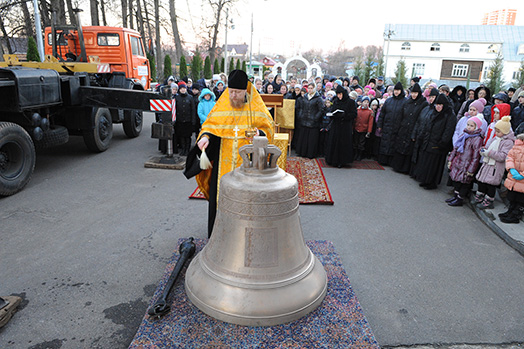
x: 515, y: 215
x: 508, y: 212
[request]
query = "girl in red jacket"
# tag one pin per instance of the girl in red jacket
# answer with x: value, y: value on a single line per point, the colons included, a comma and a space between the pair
x: 363, y: 127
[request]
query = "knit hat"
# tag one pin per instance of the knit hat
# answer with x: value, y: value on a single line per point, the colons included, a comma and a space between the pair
x: 329, y: 84
x: 298, y: 86
x: 415, y: 79
x: 365, y: 98
x: 476, y: 120
x: 216, y: 77
x: 478, y: 104
x: 441, y: 99
x: 521, y: 94
x: 181, y: 84
x: 375, y: 101
x: 372, y: 93
x: 501, y: 96
x: 398, y: 86
x: 433, y: 92
x: 353, y: 95
x: 339, y: 82
x: 504, y: 124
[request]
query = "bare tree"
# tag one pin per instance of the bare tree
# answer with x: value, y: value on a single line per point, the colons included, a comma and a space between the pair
x: 6, y: 36
x: 72, y: 17
x: 217, y: 6
x: 28, y: 20
x: 93, y: 4
x: 124, y: 13
x: 59, y: 8
x: 176, y: 33
x: 130, y: 6
x: 103, y: 11
x: 158, y: 43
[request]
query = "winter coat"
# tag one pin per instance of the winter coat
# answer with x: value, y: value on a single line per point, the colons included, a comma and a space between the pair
x: 466, y: 162
x: 437, y: 133
x: 504, y: 109
x: 515, y: 159
x: 185, y: 109
x: 517, y: 116
x: 311, y: 111
x: 492, y: 174
x: 205, y: 106
x: 389, y: 122
x: 463, y: 122
x: 410, y: 115
x: 364, y: 120
x: 339, y: 150
x: 458, y: 100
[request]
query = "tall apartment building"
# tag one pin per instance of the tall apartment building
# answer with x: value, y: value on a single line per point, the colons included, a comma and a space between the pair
x: 500, y: 17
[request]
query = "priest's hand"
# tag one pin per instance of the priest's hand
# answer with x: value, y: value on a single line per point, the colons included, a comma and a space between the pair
x: 203, y: 143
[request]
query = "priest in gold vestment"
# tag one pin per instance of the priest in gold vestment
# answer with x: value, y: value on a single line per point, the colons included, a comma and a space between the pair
x: 239, y: 109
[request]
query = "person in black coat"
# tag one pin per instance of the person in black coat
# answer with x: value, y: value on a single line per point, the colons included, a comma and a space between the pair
x: 389, y: 122
x: 436, y: 143
x: 339, y: 150
x: 404, y: 142
x: 186, y: 118
x: 311, y: 109
x: 517, y: 115
x: 420, y: 129
x: 458, y: 96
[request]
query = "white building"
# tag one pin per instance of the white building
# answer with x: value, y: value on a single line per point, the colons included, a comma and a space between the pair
x: 451, y: 54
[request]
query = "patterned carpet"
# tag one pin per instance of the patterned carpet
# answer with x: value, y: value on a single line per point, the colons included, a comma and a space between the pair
x: 359, y: 165
x: 339, y: 322
x: 312, y: 185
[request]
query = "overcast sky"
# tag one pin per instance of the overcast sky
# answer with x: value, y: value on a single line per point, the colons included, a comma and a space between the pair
x: 289, y: 27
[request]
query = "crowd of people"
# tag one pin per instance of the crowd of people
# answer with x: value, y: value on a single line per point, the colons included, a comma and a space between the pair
x: 417, y: 130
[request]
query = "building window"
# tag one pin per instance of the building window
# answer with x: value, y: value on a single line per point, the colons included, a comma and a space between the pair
x: 485, y: 72
x: 108, y: 39
x: 406, y: 46
x: 516, y: 75
x: 418, y: 69
x: 521, y: 49
x: 464, y: 48
x: 460, y: 70
x: 435, y: 47
x: 493, y: 48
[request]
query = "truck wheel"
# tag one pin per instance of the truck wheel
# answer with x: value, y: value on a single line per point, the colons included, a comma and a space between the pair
x: 17, y: 158
x: 132, y: 123
x: 55, y: 136
x: 99, y: 138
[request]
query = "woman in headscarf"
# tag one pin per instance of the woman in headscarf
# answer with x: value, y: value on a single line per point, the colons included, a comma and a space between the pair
x: 389, y: 122
x: 436, y: 142
x: 404, y: 141
x: 339, y: 150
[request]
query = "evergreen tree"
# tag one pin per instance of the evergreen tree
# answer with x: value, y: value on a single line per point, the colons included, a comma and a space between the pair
x: 400, y: 74
x: 369, y: 69
x: 494, y: 80
x: 183, y: 67
x: 244, y: 68
x: 231, y: 65
x: 152, y: 64
x: 168, y: 69
x: 222, y: 65
x: 216, y: 67
x: 380, y: 67
x: 358, y: 69
x: 519, y: 81
x: 32, y: 50
x: 208, y: 74
x: 196, y: 66
x: 238, y: 66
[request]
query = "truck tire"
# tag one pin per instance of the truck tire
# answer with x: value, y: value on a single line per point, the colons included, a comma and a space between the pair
x: 99, y: 138
x: 132, y: 123
x: 17, y: 158
x: 55, y: 136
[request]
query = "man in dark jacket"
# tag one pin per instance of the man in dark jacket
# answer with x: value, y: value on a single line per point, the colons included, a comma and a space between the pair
x: 186, y: 118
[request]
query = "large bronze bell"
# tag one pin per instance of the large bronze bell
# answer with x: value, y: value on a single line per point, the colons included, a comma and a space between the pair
x: 256, y: 269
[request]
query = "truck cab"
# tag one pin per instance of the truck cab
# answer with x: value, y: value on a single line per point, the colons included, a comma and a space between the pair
x: 120, y: 48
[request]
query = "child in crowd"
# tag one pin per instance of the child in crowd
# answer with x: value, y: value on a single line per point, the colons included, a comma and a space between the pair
x: 206, y: 103
x: 363, y: 127
x: 475, y: 109
x: 493, y: 159
x: 464, y: 160
x: 515, y: 180
x: 497, y: 112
